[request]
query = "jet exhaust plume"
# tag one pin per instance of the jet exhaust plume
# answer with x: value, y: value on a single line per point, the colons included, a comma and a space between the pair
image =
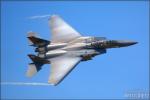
x: 25, y: 83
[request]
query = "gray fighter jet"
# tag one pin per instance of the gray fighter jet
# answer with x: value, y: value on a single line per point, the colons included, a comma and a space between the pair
x: 66, y: 49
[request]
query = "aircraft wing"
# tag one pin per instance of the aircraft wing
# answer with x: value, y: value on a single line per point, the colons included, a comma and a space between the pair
x: 61, y: 31
x: 60, y: 67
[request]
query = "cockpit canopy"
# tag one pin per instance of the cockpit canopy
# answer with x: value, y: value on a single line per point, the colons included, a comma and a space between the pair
x: 99, y: 38
x: 93, y: 39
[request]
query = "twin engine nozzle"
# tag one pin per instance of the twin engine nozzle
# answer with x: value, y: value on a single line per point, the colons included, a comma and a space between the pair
x: 41, y: 49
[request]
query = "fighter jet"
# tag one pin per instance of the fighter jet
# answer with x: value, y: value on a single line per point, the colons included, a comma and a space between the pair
x: 66, y: 49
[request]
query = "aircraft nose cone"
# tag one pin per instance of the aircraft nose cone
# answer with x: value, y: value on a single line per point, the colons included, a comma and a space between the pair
x: 132, y: 43
x: 126, y: 43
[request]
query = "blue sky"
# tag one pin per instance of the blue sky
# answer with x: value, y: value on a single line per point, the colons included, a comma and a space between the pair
x: 106, y: 76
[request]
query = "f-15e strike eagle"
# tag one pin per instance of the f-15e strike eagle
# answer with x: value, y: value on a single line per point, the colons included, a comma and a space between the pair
x: 66, y: 49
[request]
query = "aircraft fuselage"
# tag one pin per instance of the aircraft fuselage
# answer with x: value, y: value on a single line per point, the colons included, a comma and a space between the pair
x: 85, y: 47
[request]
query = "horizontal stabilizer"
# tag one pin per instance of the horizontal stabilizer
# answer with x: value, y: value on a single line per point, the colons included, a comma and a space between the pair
x: 36, y: 41
x: 36, y: 65
x: 37, y: 59
x: 33, y: 69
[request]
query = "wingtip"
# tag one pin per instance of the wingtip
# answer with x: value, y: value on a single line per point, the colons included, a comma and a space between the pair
x: 52, y: 83
x: 53, y: 16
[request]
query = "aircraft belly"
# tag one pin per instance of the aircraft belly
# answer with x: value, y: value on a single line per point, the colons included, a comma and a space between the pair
x: 55, y: 53
x: 82, y: 52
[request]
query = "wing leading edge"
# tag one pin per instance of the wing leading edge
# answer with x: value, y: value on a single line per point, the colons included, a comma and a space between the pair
x: 60, y: 67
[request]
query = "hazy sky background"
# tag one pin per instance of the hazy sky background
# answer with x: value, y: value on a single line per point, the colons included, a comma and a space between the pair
x: 110, y: 75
